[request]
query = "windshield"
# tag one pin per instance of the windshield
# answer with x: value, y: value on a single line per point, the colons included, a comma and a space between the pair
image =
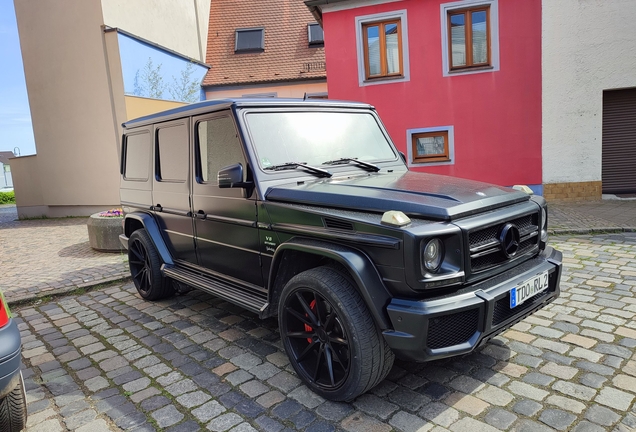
x: 316, y: 137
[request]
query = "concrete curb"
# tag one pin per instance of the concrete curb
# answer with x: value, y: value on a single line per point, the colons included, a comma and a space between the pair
x: 594, y: 230
x: 20, y: 300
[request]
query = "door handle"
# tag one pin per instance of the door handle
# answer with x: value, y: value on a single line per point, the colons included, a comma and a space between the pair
x: 200, y: 214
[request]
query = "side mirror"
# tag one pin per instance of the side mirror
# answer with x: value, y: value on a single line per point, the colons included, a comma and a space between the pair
x: 403, y: 156
x: 232, y: 177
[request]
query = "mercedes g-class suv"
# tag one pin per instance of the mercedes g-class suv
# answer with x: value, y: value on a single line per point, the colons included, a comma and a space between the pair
x: 306, y: 210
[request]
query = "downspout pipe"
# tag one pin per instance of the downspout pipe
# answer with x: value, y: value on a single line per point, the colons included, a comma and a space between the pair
x: 315, y: 7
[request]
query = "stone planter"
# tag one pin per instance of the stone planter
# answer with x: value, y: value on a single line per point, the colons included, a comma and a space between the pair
x: 103, y: 233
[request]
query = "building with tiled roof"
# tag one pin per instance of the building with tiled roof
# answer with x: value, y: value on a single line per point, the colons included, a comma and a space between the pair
x: 255, y: 49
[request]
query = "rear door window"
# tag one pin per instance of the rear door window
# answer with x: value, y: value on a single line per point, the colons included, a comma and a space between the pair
x: 137, y: 157
x: 172, y: 153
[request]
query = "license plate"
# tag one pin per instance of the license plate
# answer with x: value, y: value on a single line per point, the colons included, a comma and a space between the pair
x: 528, y: 289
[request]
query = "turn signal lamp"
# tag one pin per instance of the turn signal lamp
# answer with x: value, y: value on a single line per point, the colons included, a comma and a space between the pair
x: 523, y: 188
x: 395, y: 218
x: 4, y: 312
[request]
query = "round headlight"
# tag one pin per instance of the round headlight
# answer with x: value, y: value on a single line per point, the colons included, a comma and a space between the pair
x: 433, y: 255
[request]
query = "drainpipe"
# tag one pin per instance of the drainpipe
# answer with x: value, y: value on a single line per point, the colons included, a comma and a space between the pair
x: 196, y: 16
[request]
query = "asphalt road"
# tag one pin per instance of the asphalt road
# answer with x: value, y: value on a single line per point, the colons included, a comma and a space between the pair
x: 107, y: 360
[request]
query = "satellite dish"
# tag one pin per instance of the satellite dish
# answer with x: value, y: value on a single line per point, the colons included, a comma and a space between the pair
x: 16, y: 151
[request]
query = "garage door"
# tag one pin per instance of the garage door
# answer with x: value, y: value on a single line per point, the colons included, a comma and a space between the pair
x: 619, y: 141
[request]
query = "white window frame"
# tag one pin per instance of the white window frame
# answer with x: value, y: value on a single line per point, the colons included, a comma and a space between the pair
x: 494, y: 36
x: 360, y: 20
x: 451, y: 146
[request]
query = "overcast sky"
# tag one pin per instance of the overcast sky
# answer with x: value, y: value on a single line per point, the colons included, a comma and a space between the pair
x: 15, y: 117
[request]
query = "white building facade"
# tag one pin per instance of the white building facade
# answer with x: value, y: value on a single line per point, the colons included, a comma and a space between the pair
x: 589, y: 98
x: 81, y: 58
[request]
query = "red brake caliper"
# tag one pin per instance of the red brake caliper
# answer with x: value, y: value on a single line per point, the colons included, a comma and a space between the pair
x: 308, y: 328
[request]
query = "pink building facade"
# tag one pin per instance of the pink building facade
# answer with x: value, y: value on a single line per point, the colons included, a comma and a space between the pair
x: 457, y: 84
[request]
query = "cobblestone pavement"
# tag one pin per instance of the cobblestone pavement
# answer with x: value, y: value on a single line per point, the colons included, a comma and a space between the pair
x: 42, y: 256
x: 107, y: 360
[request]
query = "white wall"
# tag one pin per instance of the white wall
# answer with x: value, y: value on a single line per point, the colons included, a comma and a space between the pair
x: 67, y: 77
x: 588, y: 46
x: 180, y: 25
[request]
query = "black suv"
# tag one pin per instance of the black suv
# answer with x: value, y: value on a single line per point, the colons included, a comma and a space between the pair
x: 305, y: 210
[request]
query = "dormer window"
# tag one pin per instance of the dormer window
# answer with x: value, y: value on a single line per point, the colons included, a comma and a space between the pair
x: 315, y: 35
x: 250, y: 40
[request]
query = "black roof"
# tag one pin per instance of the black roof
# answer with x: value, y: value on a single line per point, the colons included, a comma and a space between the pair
x: 216, y: 104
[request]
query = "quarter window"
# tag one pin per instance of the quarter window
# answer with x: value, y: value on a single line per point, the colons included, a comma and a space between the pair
x: 382, y: 49
x: 137, y: 157
x: 469, y: 37
x: 250, y: 40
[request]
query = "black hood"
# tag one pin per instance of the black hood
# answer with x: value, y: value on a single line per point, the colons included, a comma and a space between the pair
x: 417, y: 194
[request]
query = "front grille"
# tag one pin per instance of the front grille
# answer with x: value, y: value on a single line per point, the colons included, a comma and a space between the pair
x: 503, y: 312
x: 485, y: 249
x: 453, y: 329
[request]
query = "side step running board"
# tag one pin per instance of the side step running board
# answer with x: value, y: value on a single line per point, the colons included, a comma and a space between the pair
x: 232, y: 292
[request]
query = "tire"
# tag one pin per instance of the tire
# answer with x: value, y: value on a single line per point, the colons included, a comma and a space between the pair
x: 13, y: 412
x: 145, y: 267
x: 323, y: 320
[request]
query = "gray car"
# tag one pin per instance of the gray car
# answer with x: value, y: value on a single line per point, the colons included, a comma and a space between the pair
x: 13, y: 413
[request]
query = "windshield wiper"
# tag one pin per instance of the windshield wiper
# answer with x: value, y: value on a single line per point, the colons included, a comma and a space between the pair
x: 294, y: 165
x: 341, y: 161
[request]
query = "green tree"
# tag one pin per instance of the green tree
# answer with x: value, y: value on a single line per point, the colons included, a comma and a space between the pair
x: 149, y: 82
x: 185, y: 88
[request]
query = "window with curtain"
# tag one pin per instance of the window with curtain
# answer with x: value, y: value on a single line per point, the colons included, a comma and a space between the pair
x: 469, y: 37
x: 430, y: 147
x: 382, y: 49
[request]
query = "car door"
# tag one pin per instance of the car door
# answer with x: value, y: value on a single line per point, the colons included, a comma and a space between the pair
x: 225, y: 220
x: 171, y: 188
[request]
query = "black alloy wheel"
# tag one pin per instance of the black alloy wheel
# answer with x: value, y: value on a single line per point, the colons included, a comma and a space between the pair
x: 139, y: 266
x: 316, y: 338
x: 145, y: 267
x: 329, y: 335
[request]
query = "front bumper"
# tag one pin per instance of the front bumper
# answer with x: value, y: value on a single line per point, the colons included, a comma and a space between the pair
x: 9, y: 358
x: 457, y: 324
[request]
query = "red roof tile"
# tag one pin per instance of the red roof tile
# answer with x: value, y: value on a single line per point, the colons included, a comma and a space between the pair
x: 287, y: 55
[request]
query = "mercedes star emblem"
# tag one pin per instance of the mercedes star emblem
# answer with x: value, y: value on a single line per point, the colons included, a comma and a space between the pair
x: 509, y: 238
